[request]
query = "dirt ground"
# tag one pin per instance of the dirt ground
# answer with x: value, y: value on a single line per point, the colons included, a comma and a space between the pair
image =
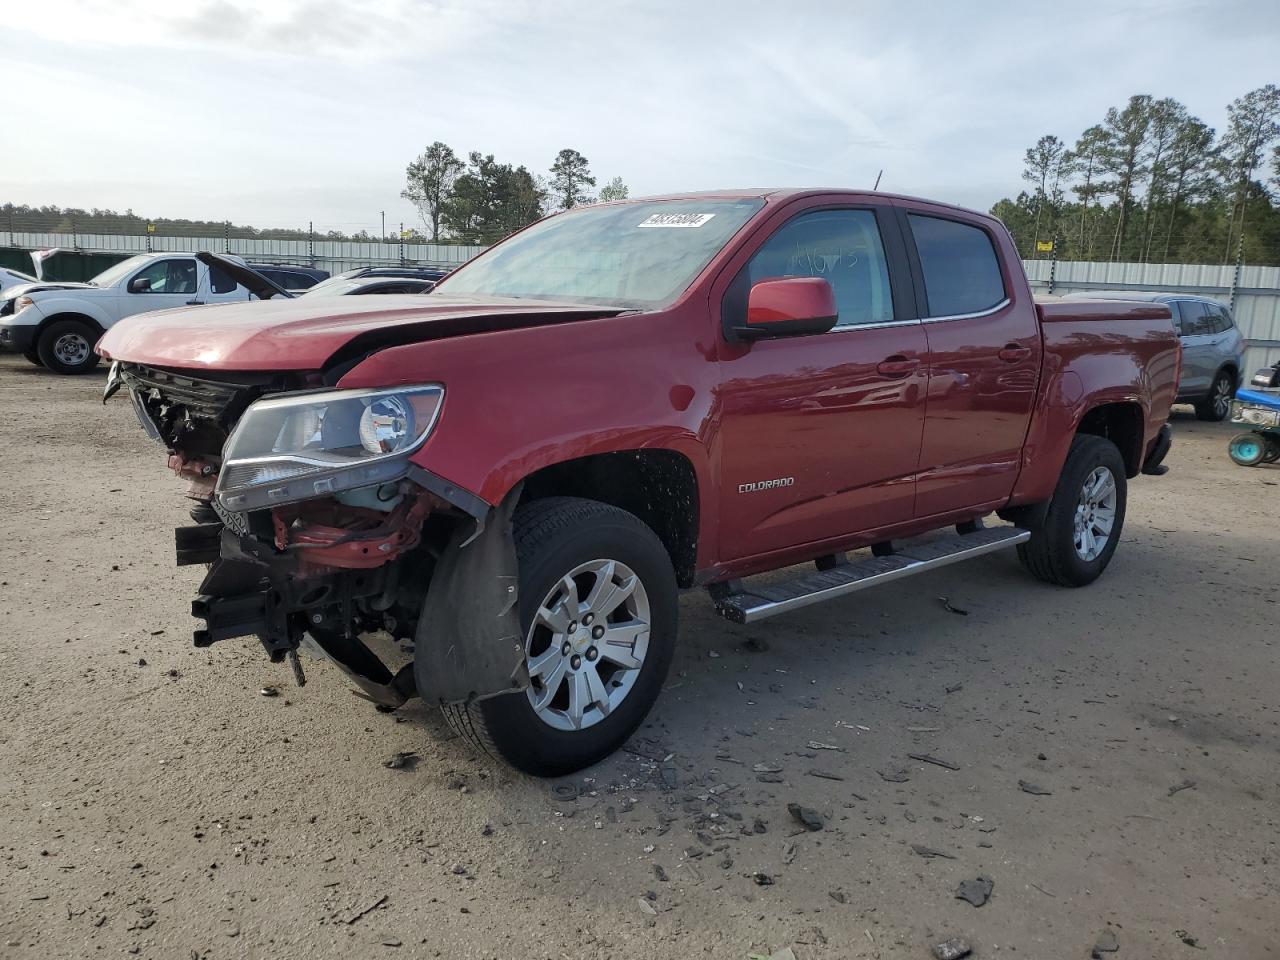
x: 154, y: 803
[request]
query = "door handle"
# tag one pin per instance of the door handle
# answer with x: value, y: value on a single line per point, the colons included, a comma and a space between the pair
x: 194, y: 303
x: 897, y: 366
x: 1013, y: 352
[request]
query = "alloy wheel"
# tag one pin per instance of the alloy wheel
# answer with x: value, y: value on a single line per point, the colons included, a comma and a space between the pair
x: 1221, y: 397
x: 587, y: 644
x: 1095, y: 514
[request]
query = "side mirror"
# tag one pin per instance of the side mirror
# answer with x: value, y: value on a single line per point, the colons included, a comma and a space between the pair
x: 139, y: 285
x: 791, y: 307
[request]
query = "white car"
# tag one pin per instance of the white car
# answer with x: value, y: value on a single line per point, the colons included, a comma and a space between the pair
x: 56, y: 324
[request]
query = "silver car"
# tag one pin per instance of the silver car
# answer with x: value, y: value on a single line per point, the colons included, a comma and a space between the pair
x: 1212, y: 347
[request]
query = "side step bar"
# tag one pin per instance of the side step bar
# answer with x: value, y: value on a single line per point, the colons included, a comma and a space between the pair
x: 751, y: 602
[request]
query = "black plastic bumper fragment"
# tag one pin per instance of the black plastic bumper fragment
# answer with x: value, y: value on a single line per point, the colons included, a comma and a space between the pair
x: 468, y: 644
x: 199, y: 544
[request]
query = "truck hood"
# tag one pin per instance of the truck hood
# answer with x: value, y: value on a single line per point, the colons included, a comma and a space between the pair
x: 302, y: 334
x: 24, y: 289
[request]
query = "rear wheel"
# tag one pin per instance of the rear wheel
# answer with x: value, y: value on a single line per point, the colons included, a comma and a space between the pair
x: 1217, y: 404
x: 598, y: 608
x: 1273, y: 451
x: 1247, y: 449
x: 1075, y: 541
x: 67, y: 347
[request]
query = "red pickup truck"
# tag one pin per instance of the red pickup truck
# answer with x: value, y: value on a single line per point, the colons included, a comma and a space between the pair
x: 518, y: 472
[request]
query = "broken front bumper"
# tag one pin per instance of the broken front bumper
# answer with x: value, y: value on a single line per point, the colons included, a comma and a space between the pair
x: 331, y: 584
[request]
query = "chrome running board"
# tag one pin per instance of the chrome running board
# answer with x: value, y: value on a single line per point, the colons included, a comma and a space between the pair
x: 751, y: 602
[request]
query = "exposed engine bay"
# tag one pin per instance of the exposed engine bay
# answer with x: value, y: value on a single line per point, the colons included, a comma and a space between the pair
x: 313, y: 524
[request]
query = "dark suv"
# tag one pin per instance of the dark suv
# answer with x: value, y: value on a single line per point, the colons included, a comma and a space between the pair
x: 1212, y: 347
x: 291, y: 276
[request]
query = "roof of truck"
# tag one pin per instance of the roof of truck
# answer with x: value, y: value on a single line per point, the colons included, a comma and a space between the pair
x: 790, y: 193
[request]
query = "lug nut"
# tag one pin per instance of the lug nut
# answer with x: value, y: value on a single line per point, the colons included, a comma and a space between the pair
x: 592, y: 653
x: 565, y: 648
x: 586, y: 621
x: 573, y: 625
x: 597, y: 633
x: 576, y: 662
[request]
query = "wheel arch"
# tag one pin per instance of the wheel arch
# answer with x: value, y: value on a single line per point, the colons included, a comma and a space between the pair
x: 657, y: 485
x: 1121, y: 422
x: 78, y: 316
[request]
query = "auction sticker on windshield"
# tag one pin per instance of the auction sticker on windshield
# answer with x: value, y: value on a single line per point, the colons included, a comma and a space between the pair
x: 676, y: 220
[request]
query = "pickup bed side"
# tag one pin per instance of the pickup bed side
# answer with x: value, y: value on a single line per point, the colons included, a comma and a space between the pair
x: 1111, y: 366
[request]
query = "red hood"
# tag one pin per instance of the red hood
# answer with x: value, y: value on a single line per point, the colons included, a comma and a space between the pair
x: 304, y: 335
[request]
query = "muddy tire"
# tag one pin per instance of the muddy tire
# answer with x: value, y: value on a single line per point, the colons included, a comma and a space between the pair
x: 598, y: 606
x: 1075, y: 541
x: 67, y: 347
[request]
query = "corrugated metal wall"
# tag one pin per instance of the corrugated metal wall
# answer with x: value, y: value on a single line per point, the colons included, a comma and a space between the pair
x: 1254, y: 295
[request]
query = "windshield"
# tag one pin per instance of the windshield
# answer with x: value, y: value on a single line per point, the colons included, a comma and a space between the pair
x: 113, y: 275
x: 629, y: 255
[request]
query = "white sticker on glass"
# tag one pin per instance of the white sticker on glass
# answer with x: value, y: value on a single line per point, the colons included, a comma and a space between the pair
x: 676, y: 220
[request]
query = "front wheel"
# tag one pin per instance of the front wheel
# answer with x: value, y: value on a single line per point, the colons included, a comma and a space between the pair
x: 1247, y: 449
x: 67, y: 347
x: 1217, y: 404
x: 1078, y: 535
x: 598, y: 610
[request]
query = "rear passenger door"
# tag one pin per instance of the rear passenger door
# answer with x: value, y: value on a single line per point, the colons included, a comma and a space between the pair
x: 223, y: 289
x: 984, y: 359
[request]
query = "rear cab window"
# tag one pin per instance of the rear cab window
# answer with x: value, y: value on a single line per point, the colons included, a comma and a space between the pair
x: 962, y: 274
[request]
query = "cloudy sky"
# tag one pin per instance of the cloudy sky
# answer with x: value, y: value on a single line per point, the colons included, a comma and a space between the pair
x: 277, y: 112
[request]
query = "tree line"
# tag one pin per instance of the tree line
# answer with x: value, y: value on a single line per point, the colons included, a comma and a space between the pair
x: 480, y: 200
x: 1152, y: 183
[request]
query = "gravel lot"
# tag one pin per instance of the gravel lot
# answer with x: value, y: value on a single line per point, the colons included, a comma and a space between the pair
x: 153, y: 803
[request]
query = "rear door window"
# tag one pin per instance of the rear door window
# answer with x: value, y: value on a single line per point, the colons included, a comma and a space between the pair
x: 961, y: 270
x: 220, y: 281
x: 1220, y: 316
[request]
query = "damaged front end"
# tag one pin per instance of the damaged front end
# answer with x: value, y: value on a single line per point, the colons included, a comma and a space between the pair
x: 314, y: 524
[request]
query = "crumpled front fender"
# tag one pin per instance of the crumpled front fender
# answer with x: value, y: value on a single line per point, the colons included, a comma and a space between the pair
x: 468, y: 643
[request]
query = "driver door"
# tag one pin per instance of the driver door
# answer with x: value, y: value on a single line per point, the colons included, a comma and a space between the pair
x: 821, y: 434
x: 172, y: 282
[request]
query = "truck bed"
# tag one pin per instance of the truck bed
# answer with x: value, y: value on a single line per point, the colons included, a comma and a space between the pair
x: 1058, y: 310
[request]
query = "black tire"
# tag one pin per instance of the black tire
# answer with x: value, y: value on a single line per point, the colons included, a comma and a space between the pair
x: 1215, y: 407
x: 33, y: 357
x: 1051, y: 553
x: 59, y: 339
x: 554, y: 536
x: 1273, y: 451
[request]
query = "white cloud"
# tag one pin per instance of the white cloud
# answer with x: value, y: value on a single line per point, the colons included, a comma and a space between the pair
x: 294, y: 110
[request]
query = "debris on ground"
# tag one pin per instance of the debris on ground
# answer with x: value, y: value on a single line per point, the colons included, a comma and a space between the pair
x: 895, y: 776
x: 929, y: 853
x: 400, y: 759
x: 976, y: 892
x: 646, y: 907
x: 807, y: 817
x: 927, y: 758
x: 269, y: 692
x: 952, y: 949
x: 368, y: 910
x: 837, y: 896
x: 1026, y: 786
x: 819, y: 745
x: 1188, y: 939
x: 1106, y: 943
x: 950, y: 607
x: 766, y: 768
x: 762, y: 879
x: 955, y: 688
x: 825, y: 775
x: 1184, y: 785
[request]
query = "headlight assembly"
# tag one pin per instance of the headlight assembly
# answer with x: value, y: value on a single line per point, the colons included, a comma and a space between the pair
x: 312, y: 445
